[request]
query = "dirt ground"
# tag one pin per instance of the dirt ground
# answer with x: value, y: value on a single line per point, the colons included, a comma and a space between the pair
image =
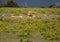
x: 40, y: 16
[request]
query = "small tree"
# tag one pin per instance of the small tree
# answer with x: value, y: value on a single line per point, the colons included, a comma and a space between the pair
x: 51, y: 6
x: 11, y: 3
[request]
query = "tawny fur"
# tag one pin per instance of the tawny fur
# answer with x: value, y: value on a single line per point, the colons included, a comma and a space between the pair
x: 30, y: 14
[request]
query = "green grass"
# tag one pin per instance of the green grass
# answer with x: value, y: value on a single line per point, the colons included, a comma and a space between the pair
x: 26, y: 29
x: 8, y: 37
x: 18, y: 11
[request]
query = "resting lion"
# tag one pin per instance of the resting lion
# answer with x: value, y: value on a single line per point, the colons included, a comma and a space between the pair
x: 30, y: 14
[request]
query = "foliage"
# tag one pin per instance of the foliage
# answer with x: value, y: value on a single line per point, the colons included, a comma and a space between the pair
x: 17, y: 11
x: 10, y: 3
x: 27, y: 28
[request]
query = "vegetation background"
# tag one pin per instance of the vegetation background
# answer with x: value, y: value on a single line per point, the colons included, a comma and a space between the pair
x: 46, y: 29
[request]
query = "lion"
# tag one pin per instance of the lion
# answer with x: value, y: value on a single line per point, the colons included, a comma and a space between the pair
x: 30, y: 14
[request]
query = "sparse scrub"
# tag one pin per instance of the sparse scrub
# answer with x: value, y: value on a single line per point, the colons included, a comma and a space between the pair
x: 17, y: 11
x: 29, y: 28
